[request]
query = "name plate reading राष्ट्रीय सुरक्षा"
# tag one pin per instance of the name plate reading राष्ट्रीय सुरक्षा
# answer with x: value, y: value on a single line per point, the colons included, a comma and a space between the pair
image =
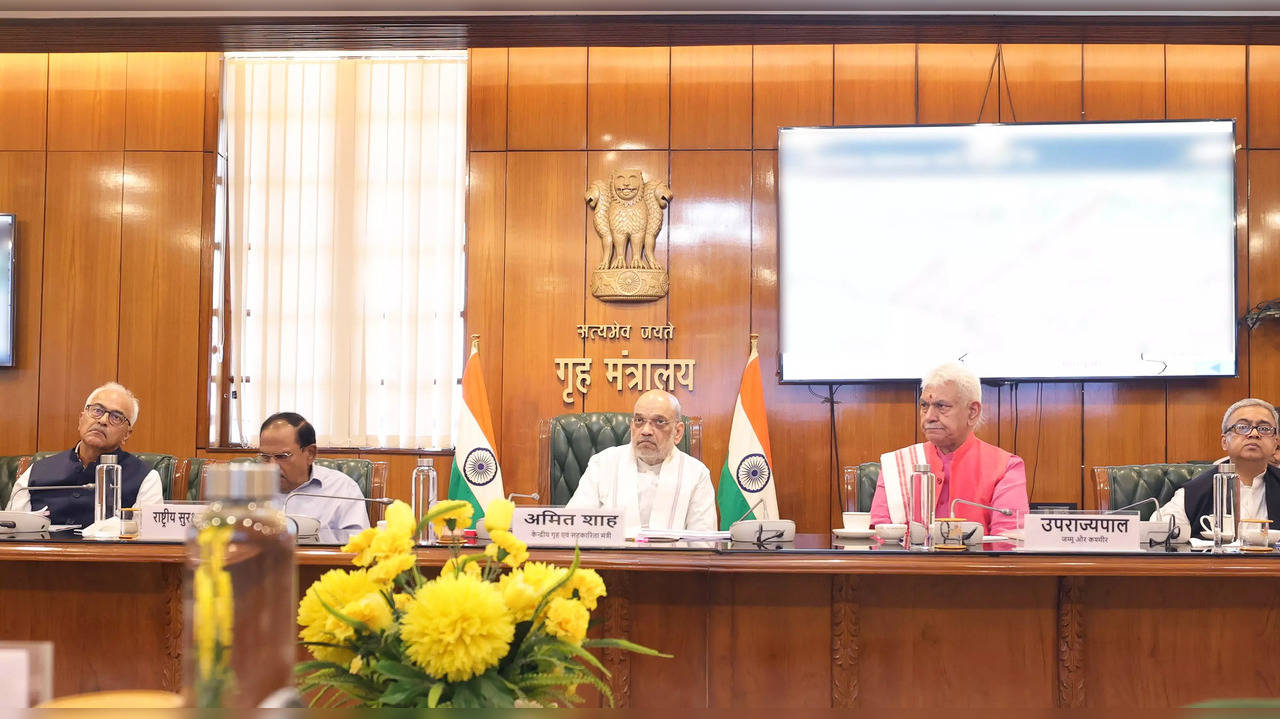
x: 560, y: 527
x: 167, y: 522
x: 1082, y: 532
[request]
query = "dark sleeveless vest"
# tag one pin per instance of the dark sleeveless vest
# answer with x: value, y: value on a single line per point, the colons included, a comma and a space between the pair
x: 1197, y: 497
x: 74, y: 505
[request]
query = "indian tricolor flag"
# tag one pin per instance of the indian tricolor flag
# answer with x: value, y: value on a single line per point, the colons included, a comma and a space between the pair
x: 746, y: 482
x: 475, y: 476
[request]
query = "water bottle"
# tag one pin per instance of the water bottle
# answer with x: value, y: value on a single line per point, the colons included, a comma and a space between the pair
x: 921, y: 505
x: 106, y: 489
x: 422, y: 494
x: 1225, y: 495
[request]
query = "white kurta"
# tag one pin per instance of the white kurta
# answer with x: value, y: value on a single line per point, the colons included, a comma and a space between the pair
x: 681, y: 498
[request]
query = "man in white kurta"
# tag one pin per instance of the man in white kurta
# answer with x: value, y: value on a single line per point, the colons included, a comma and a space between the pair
x: 653, y: 484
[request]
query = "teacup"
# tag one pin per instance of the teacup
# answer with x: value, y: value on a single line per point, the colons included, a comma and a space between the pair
x: 1228, y: 524
x: 857, y: 521
x: 1258, y: 533
x: 891, y: 532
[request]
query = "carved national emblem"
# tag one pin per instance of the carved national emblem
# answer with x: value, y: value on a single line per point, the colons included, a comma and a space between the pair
x: 753, y: 473
x: 480, y: 466
x: 628, y: 217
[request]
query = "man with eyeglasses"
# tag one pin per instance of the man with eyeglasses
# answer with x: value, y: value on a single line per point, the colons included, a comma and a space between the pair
x: 964, y: 466
x: 107, y: 420
x: 288, y: 440
x: 1249, y: 437
x: 654, y: 484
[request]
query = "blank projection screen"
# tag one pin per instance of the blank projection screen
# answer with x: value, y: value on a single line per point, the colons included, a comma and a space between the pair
x: 1036, y: 251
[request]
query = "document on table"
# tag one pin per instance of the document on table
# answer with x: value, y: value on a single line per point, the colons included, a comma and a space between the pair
x: 677, y: 534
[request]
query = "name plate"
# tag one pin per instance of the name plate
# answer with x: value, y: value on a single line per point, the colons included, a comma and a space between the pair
x: 560, y: 527
x: 167, y: 522
x: 1082, y: 533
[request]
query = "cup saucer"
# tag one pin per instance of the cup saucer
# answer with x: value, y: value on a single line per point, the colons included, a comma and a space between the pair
x: 854, y: 533
x: 1226, y: 537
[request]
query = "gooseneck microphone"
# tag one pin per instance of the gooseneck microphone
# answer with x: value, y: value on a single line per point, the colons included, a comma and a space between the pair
x: 367, y: 500
x: 1152, y: 500
x: 1006, y: 512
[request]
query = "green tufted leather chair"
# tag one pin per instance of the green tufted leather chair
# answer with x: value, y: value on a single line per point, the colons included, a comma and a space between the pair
x: 1122, y: 485
x: 567, y: 442
x: 868, y: 475
x: 164, y: 464
x: 370, y: 476
x: 8, y: 475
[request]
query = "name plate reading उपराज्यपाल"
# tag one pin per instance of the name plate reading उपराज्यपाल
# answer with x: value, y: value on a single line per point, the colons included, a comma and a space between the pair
x: 560, y: 527
x: 1082, y: 532
x: 167, y: 522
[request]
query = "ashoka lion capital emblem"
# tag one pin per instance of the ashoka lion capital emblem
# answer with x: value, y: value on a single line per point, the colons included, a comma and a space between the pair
x: 628, y: 216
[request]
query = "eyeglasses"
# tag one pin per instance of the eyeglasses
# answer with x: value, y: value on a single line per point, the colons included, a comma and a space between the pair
x: 1244, y: 429
x: 659, y: 423
x: 278, y: 457
x: 115, y: 418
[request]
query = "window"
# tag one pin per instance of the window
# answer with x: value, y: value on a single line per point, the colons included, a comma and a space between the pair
x: 346, y: 189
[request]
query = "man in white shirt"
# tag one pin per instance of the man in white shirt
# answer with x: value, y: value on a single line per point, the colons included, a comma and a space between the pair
x: 1249, y: 435
x: 108, y: 418
x: 654, y: 484
x: 288, y: 440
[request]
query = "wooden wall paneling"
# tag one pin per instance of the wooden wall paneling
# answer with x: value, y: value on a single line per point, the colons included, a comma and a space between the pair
x: 946, y: 625
x: 80, y: 331
x: 989, y: 430
x: 603, y: 395
x: 799, y: 424
x: 547, y: 98
x: 1264, y: 96
x: 1046, y: 426
x: 776, y: 628
x: 159, y: 296
x: 165, y: 101
x: 22, y: 193
x: 1264, y: 269
x: 792, y: 86
x: 710, y: 251
x: 1040, y: 83
x: 487, y: 99
x: 711, y: 97
x: 24, y: 91
x: 1225, y: 637
x: 86, y: 101
x: 875, y: 84
x: 213, y: 135
x: 1196, y: 406
x: 671, y: 612
x: 628, y: 98
x: 486, y: 255
x: 544, y: 289
x: 1206, y: 82
x: 400, y: 472
x: 953, y: 82
x: 872, y: 419
x: 1124, y: 82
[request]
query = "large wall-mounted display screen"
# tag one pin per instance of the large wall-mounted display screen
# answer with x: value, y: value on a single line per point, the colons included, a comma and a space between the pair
x: 1027, y: 251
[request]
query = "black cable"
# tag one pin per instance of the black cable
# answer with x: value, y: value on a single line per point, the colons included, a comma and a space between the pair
x: 833, y: 455
x: 990, y: 75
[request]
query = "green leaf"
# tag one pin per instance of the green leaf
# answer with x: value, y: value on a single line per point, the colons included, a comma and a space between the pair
x: 433, y: 698
x: 624, y: 644
x: 400, y: 671
x: 546, y: 597
x: 311, y: 666
x: 401, y: 692
x: 586, y: 656
x: 356, y: 624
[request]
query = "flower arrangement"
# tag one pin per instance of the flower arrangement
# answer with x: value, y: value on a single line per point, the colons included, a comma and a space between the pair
x: 493, y: 629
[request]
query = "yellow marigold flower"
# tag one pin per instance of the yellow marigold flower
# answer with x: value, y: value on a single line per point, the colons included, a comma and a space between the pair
x: 357, y: 664
x: 400, y: 519
x: 457, y: 627
x: 567, y: 619
x: 514, y: 552
x: 588, y: 585
x: 498, y: 515
x: 372, y: 609
x: 402, y: 600
x: 387, y: 569
x: 459, y: 511
x: 521, y: 598
x: 338, y: 588
x: 543, y: 576
x: 359, y: 546
x: 471, y: 568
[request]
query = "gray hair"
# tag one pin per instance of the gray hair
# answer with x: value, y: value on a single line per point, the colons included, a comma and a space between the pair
x: 133, y: 414
x: 967, y: 383
x: 1249, y: 402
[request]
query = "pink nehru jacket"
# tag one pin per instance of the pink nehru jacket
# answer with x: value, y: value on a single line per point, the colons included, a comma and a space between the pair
x: 976, y: 471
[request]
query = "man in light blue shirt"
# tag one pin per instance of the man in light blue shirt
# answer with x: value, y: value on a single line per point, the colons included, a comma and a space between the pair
x: 288, y: 440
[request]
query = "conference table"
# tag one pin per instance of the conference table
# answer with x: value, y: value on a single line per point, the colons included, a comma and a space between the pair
x: 814, y: 623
